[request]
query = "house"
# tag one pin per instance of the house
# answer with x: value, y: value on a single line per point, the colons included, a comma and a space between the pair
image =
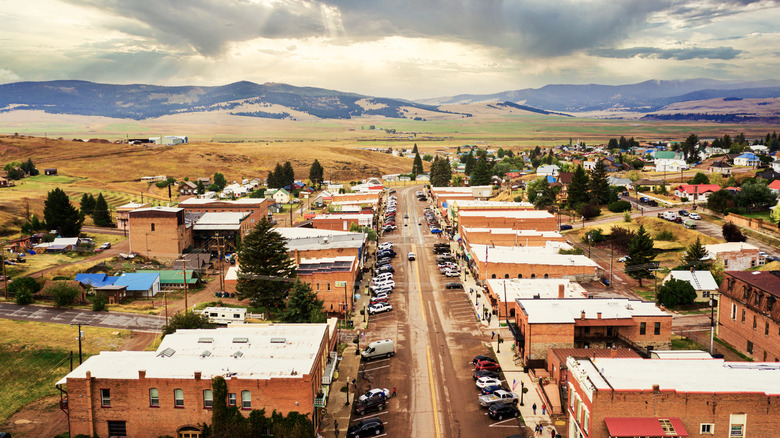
x: 188, y: 188
x: 60, y: 244
x: 774, y: 186
x: 696, y: 192
x: 281, y: 196
x: 749, y: 313
x: 50, y: 171
x: 589, y: 165
x: 702, y: 281
x: 735, y: 256
x: 140, y: 284
x: 168, y: 392
x: 46, y: 292
x: 548, y: 170
x: 747, y: 159
x: 776, y: 166
x: 720, y: 166
x: 172, y: 278
x: 630, y: 397
x: 769, y: 175
x: 6, y: 182
x: 115, y: 294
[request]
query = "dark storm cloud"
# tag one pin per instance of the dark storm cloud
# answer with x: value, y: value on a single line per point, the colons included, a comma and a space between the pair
x: 703, y: 12
x: 679, y: 54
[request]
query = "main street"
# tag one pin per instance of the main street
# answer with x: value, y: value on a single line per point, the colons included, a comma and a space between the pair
x: 436, y: 336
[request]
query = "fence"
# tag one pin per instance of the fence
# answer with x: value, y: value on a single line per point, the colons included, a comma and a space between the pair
x: 752, y: 223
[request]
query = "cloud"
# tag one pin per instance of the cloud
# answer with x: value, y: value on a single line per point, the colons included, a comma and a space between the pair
x: 684, y: 54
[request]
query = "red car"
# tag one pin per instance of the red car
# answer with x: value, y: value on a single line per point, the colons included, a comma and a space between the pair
x: 487, y: 365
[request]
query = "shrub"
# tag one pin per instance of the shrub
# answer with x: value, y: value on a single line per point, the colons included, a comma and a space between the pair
x: 590, y: 211
x: 732, y: 233
x: 24, y: 297
x: 684, y: 199
x: 518, y: 198
x: 627, y: 217
x: 620, y: 237
x: 99, y: 303
x: 664, y: 235
x: 64, y: 294
x: 642, y: 188
x: 23, y: 284
x: 574, y: 251
x: 595, y: 235
x: 619, y: 206
x: 676, y: 293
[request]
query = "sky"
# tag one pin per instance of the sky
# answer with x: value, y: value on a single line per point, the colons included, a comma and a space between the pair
x: 410, y: 49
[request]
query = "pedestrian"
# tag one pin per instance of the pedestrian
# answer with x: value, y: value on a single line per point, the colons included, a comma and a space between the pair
x: 394, y: 394
x: 492, y: 335
x: 534, y: 408
x: 544, y: 409
x: 490, y: 317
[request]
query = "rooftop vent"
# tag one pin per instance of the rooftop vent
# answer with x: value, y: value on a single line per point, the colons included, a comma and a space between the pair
x: 168, y: 352
x: 240, y: 340
x: 205, y: 340
x: 206, y: 353
x: 237, y: 354
x: 278, y: 340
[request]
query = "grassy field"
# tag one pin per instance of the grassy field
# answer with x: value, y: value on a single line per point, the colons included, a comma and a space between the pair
x: 34, y: 355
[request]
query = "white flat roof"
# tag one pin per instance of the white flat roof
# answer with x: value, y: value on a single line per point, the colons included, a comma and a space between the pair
x: 266, y: 351
x: 530, y: 254
x: 521, y: 288
x: 567, y: 310
x: 242, y: 201
x: 342, y: 216
x: 684, y: 375
x: 716, y: 248
x: 477, y: 203
x: 510, y: 231
x: 517, y: 214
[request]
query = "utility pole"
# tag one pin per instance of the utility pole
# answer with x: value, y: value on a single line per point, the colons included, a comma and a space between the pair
x: 81, y: 336
x: 712, y: 325
x: 5, y: 277
x: 611, y: 256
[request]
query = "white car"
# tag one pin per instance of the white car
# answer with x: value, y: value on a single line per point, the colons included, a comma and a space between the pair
x: 695, y: 216
x: 372, y: 394
x: 452, y: 273
x: 379, y: 308
x: 411, y: 256
x: 385, y: 245
x: 382, y: 290
x: 624, y: 259
x: 487, y: 381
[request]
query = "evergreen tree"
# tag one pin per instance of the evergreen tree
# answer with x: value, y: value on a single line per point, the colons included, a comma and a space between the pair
x: 540, y: 193
x: 699, y: 178
x: 29, y: 167
x: 303, y: 305
x: 101, y: 215
x: 60, y: 215
x: 598, y: 185
x: 417, y: 166
x: 87, y: 204
x: 694, y: 255
x: 289, y: 175
x: 578, y: 189
x: 414, y: 149
x: 641, y: 254
x: 481, y: 175
x: 470, y: 162
x: 441, y: 172
x: 276, y: 178
x: 316, y: 172
x: 219, y: 179
x: 200, y: 188
x: 264, y: 266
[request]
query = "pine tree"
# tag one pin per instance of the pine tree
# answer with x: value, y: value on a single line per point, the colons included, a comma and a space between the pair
x: 316, y: 172
x: 414, y: 149
x: 578, y: 189
x: 641, y: 255
x: 289, y: 175
x: 417, y: 166
x: 481, y: 175
x: 470, y: 162
x: 264, y: 266
x: 60, y: 215
x: 87, y: 204
x: 201, y: 189
x: 694, y: 255
x: 441, y: 172
x: 303, y: 305
x: 101, y: 215
x: 598, y: 185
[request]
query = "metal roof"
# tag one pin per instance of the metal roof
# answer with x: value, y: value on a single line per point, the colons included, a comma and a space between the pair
x: 645, y: 427
x: 137, y: 281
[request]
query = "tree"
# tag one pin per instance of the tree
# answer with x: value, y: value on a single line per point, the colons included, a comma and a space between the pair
x: 414, y: 149
x: 316, y: 172
x: 303, y: 305
x: 470, y: 162
x: 289, y: 174
x: 23, y: 284
x: 29, y: 168
x: 200, y: 187
x: 732, y: 233
x: 219, y: 179
x: 481, y: 175
x: 641, y: 253
x: 186, y: 320
x: 417, y: 166
x: 61, y: 215
x: 694, y: 255
x: 214, y: 187
x: 264, y: 264
x: 64, y: 294
x: 427, y: 157
x: 33, y: 225
x: 598, y: 185
x: 720, y: 201
x: 87, y: 204
x: 102, y: 215
x: 689, y: 148
x: 578, y: 189
x: 613, y: 143
x: 754, y: 195
x: 441, y: 172
x: 699, y: 178
x: 675, y: 293
x: 540, y: 193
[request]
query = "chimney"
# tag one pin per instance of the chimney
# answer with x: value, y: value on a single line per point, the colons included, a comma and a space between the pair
x: 656, y: 389
x: 561, y: 291
x: 613, y: 352
x: 691, y: 269
x: 89, y: 375
x: 598, y: 315
x: 141, y: 374
x: 582, y: 315
x: 297, y: 257
x: 662, y: 307
x: 197, y: 375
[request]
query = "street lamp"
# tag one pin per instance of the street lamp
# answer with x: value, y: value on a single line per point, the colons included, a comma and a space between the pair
x: 522, y: 391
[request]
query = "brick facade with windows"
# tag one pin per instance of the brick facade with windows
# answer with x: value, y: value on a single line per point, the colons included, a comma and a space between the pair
x: 257, y: 208
x: 749, y: 313
x: 159, y: 232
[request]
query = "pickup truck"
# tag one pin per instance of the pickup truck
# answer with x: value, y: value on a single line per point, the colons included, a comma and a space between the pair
x: 499, y: 396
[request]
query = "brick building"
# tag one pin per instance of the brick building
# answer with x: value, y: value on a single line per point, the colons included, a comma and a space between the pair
x: 144, y: 394
x: 509, y: 237
x: 589, y: 323
x: 735, y: 256
x: 513, y: 219
x: 557, y: 359
x: 256, y: 208
x: 123, y: 213
x: 503, y: 294
x: 320, y: 243
x: 333, y: 279
x: 342, y: 222
x: 529, y: 262
x: 623, y: 397
x: 159, y: 232
x: 749, y: 313
x: 219, y: 232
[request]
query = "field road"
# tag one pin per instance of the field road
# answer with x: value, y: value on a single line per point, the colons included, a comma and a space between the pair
x: 129, y: 321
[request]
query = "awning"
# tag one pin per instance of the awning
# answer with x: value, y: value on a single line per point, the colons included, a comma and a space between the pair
x: 645, y: 427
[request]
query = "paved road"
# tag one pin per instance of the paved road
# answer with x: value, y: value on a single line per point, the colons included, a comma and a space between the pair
x: 129, y: 321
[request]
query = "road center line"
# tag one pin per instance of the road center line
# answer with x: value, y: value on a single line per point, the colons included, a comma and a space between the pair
x: 433, y: 392
x: 419, y: 285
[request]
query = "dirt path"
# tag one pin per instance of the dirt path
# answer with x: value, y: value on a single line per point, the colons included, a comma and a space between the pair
x: 43, y: 417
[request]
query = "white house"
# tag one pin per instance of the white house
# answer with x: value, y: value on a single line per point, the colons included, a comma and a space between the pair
x: 548, y: 170
x: 696, y: 192
x: 281, y: 196
x: 747, y: 159
x: 776, y: 165
x: 670, y: 165
x: 702, y: 281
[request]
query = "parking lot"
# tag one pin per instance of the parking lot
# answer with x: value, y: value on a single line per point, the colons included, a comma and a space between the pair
x: 436, y: 336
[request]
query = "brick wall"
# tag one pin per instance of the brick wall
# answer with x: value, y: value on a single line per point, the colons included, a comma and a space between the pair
x: 740, y: 260
x: 649, y: 340
x: 256, y: 211
x: 159, y: 235
x: 538, y: 224
x: 746, y: 326
x: 502, y: 239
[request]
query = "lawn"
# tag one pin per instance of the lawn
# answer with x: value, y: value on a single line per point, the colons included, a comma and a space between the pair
x: 765, y: 215
x: 34, y: 355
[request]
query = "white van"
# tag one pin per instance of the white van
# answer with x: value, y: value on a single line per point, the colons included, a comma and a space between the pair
x: 383, y: 284
x: 384, y: 276
x: 670, y: 215
x: 376, y: 349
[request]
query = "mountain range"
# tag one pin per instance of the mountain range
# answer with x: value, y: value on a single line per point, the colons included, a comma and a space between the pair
x: 655, y: 99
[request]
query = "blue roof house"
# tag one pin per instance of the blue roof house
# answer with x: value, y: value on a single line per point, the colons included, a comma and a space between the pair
x: 96, y: 280
x: 140, y: 284
x: 747, y: 159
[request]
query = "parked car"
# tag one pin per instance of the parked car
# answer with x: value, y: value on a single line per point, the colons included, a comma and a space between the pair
x: 694, y: 216
x: 452, y: 273
x: 106, y: 245
x: 683, y: 213
x: 624, y: 259
x: 385, y: 268
x: 379, y: 308
x: 479, y: 358
x: 382, y: 298
x: 499, y: 396
x: 491, y: 389
x: 484, y: 373
x: 565, y: 227
x: 487, y: 381
x: 371, y: 394
x: 385, y: 245
x: 453, y: 285
x: 487, y: 365
x: 499, y: 411
x: 367, y: 427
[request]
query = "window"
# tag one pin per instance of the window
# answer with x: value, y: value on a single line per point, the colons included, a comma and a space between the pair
x: 246, y: 400
x: 657, y: 328
x: 154, y: 398
x: 642, y: 328
x: 707, y: 428
x: 753, y: 263
x: 318, y: 287
x: 117, y: 428
x: 152, y: 227
x: 105, y: 398
x: 587, y: 330
x: 755, y: 322
x: 750, y: 347
x: 519, y: 275
x: 726, y: 265
x: 737, y: 425
x: 546, y: 275
x: 736, y: 430
x: 533, y: 275
x: 743, y: 316
x: 705, y: 294
x: 506, y: 275
x: 733, y: 311
x: 610, y: 332
x: 493, y: 276
x: 208, y: 399
x: 178, y: 398
x: 232, y: 399
x: 666, y: 425
x: 328, y: 286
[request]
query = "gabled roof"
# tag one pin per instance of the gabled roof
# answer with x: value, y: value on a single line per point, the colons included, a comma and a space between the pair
x: 698, y: 188
x: 96, y: 280
x: 137, y: 281
x: 172, y: 276
x: 749, y: 156
x: 774, y: 185
x: 720, y: 163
